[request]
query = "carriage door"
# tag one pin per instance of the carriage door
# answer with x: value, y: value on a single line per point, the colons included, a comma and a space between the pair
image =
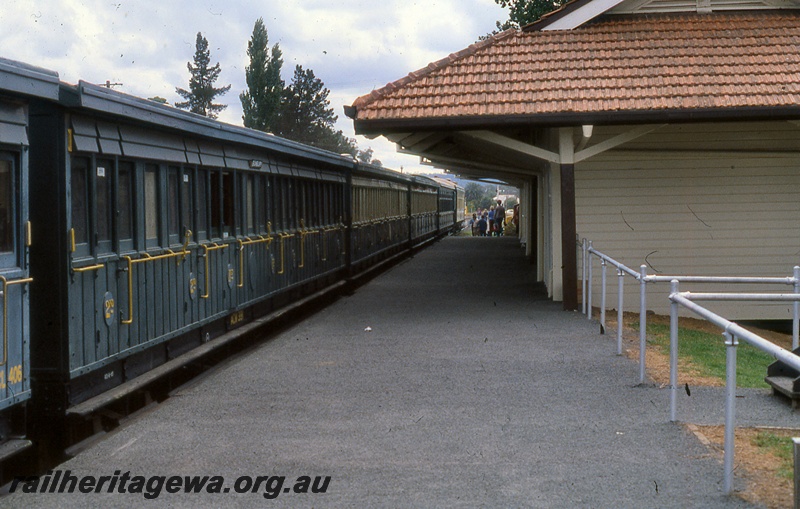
x: 13, y: 279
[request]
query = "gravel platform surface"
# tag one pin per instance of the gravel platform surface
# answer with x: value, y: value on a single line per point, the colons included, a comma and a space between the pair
x: 449, y: 381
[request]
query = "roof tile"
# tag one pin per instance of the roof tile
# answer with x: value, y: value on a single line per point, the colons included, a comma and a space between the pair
x: 642, y: 62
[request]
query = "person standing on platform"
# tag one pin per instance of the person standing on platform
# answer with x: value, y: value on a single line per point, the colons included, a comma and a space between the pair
x: 499, y: 218
x: 483, y: 225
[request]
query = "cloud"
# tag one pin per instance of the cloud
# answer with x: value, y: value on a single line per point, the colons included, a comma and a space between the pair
x: 354, y: 46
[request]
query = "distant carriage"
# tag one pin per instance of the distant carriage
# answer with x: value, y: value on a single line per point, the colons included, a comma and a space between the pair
x: 132, y: 233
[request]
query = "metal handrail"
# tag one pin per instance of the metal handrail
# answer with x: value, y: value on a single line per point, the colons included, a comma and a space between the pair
x: 207, y: 248
x: 247, y: 242
x: 324, y: 232
x: 733, y: 332
x: 303, y: 233
x: 88, y: 268
x: 644, y: 278
x: 622, y: 270
x: 283, y: 237
x: 5, y: 284
x: 145, y: 258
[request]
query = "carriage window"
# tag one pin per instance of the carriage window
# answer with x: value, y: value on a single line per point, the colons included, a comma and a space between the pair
x: 151, y: 205
x: 216, y: 205
x: 251, y: 205
x: 314, y: 197
x: 202, y: 201
x: 6, y: 207
x: 80, y: 202
x: 326, y: 212
x: 222, y: 204
x: 173, y: 205
x: 104, y: 171
x: 125, y: 205
x: 228, y: 209
x: 279, y: 202
x: 269, y: 213
x: 302, y: 191
x: 293, y: 215
x: 187, y: 211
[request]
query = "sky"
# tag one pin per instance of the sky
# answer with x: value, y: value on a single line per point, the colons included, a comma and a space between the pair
x: 353, y: 46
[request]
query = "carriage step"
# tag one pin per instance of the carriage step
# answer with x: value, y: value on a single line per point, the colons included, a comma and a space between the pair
x: 12, y: 447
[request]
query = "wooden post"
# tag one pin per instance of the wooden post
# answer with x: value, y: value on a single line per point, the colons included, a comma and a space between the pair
x: 569, y: 257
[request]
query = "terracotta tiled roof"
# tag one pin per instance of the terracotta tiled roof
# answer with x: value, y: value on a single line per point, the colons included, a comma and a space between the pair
x: 615, y: 64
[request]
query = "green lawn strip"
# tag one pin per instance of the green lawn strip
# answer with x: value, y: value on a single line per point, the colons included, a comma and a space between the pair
x: 781, y: 447
x: 706, y: 352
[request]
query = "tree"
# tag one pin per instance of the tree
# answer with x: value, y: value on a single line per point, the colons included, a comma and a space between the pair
x: 261, y: 103
x: 365, y: 156
x: 307, y: 117
x: 478, y: 195
x: 300, y: 111
x: 524, y: 12
x: 337, y: 142
x: 201, y: 94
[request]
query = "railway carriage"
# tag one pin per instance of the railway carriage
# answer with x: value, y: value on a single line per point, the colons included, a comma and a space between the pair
x: 380, y: 223
x: 451, y: 205
x: 424, y: 208
x: 132, y: 234
x: 165, y: 230
x: 461, y: 207
x: 20, y: 85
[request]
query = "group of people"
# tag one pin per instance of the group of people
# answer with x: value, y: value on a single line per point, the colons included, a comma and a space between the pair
x: 489, y: 222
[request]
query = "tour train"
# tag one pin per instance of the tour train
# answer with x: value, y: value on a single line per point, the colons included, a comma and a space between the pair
x: 134, y: 235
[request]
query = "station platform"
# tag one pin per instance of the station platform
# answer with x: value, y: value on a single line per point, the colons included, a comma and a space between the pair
x: 448, y: 381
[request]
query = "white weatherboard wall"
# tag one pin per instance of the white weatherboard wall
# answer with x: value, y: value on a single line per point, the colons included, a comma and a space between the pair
x: 693, y: 213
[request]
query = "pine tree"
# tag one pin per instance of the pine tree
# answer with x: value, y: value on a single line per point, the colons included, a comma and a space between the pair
x: 261, y: 103
x: 306, y: 108
x: 201, y: 94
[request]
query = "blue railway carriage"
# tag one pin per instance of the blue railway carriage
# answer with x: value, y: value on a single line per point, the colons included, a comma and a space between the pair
x: 164, y: 229
x: 424, y: 208
x: 451, y: 205
x: 461, y: 207
x: 134, y: 237
x: 19, y: 86
x: 380, y: 216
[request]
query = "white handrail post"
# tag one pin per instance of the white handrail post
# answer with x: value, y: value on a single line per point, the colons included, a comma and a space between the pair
x: 642, y: 320
x: 603, y: 294
x: 796, y: 308
x: 583, y: 275
x: 589, y: 283
x: 731, y: 342
x: 621, y: 282
x: 673, y: 353
x: 796, y: 457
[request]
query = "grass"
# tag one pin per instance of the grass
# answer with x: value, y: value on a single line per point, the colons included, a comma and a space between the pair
x: 706, y: 352
x: 781, y: 447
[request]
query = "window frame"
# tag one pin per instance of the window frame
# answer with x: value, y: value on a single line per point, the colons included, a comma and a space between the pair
x: 103, y: 246
x: 11, y: 259
x: 125, y: 244
x: 151, y: 242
